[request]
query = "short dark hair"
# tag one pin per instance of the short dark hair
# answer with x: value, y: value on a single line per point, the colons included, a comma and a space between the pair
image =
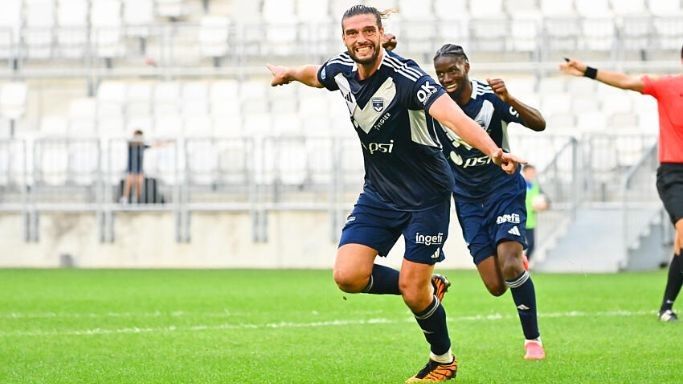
x: 529, y: 167
x: 451, y: 50
x: 360, y: 9
x: 138, y: 132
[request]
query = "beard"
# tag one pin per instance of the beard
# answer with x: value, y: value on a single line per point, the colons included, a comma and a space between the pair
x: 368, y: 60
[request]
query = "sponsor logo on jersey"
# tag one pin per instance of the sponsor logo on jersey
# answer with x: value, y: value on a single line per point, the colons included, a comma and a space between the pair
x: 436, y: 254
x: 428, y: 239
x: 425, y: 91
x: 380, y: 147
x: 508, y: 218
x: 476, y: 161
x: 377, y: 104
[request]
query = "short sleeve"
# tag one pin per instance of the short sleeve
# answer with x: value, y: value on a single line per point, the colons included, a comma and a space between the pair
x: 338, y: 64
x: 649, y: 86
x: 424, y: 93
x: 506, y: 111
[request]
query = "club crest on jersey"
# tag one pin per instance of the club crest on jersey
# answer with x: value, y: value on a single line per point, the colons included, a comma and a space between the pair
x: 377, y: 104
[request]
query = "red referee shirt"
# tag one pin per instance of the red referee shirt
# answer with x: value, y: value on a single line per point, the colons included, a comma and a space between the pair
x: 668, y: 91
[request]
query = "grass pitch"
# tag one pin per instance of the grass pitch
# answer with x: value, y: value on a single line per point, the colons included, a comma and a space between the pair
x: 217, y: 326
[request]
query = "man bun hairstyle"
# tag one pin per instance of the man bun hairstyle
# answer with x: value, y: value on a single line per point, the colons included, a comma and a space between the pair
x: 453, y: 50
x: 360, y: 9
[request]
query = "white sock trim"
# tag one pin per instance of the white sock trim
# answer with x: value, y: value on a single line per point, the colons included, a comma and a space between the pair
x: 446, y: 358
x: 519, y: 281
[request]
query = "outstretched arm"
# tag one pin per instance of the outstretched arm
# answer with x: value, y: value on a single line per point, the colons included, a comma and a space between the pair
x: 306, y: 74
x: 451, y: 116
x: 531, y: 117
x: 614, y: 79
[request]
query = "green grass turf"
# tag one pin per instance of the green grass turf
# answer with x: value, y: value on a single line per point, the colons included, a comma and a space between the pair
x: 217, y: 326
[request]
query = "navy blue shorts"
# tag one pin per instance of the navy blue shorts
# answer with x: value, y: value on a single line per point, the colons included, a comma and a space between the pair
x: 486, y: 223
x: 378, y: 226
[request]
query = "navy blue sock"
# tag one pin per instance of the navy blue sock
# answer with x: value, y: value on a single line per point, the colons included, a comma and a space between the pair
x: 524, y: 295
x: 433, y: 323
x: 383, y: 281
x: 673, y: 284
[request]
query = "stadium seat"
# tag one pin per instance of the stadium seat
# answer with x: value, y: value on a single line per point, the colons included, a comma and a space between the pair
x: 551, y: 85
x: 111, y: 127
x: 636, y: 32
x: 416, y: 10
x: 522, y: 8
x: 281, y: 26
x: 82, y: 115
x: 665, y: 8
x: 170, y: 8
x: 563, y: 34
x: 202, y: 162
x: 227, y: 126
x: 525, y: 34
x: 194, y: 98
x: 168, y: 126
x: 291, y: 161
x: 598, y: 34
x: 233, y: 156
x: 198, y: 126
x: 593, y: 8
x: 53, y: 126
x: 37, y: 33
x: 51, y: 162
x: 254, y: 96
x: 105, y: 22
x: 139, y: 99
x: 451, y: 10
x: 591, y: 121
x: 213, y: 36
x: 321, y: 157
x: 338, y: 7
x: 84, y: 157
x: 13, y: 97
x: 556, y: 103
x: 10, y: 25
x: 669, y: 32
x: 138, y: 16
x: 72, y: 33
x: 489, y: 34
x: 287, y: 124
x: 554, y: 8
x: 491, y: 8
x: 166, y: 98
x: 257, y: 124
x: 629, y: 7
x: 224, y: 98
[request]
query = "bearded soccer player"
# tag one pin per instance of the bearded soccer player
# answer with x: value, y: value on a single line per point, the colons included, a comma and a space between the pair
x: 407, y: 179
x: 668, y: 90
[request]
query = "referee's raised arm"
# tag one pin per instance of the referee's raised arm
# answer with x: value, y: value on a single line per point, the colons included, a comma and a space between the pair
x: 621, y: 80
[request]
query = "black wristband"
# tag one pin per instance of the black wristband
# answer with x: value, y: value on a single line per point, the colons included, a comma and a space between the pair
x: 591, y: 72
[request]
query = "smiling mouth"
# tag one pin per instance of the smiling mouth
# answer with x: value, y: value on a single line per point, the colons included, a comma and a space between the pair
x: 366, y: 49
x: 451, y: 88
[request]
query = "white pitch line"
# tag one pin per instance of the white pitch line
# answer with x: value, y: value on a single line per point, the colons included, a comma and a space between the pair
x: 290, y: 325
x: 155, y: 314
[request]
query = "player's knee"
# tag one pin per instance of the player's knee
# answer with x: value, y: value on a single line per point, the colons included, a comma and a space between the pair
x: 511, y: 265
x: 349, y: 282
x: 496, y: 289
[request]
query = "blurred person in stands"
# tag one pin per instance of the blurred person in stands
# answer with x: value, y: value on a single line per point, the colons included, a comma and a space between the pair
x: 407, y: 178
x: 135, y: 171
x: 668, y: 91
x: 536, y: 201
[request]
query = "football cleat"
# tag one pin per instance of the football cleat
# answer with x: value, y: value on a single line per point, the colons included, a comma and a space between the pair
x: 534, y: 350
x: 665, y: 316
x: 435, y: 372
x: 441, y: 285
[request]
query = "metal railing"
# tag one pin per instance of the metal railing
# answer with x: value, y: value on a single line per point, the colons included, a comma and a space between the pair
x: 254, y: 174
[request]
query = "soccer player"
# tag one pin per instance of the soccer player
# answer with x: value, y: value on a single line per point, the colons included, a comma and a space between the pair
x: 407, y: 179
x: 668, y: 92
x: 490, y: 204
x: 135, y: 171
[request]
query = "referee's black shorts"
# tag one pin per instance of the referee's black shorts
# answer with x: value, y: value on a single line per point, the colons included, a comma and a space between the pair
x: 670, y: 188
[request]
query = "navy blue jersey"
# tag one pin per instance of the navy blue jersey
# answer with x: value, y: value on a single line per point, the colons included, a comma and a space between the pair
x: 405, y: 168
x: 475, y: 174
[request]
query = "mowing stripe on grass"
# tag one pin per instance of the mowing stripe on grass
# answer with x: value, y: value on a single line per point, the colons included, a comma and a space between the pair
x: 316, y: 324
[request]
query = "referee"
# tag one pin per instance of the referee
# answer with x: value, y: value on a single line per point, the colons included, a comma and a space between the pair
x: 668, y: 90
